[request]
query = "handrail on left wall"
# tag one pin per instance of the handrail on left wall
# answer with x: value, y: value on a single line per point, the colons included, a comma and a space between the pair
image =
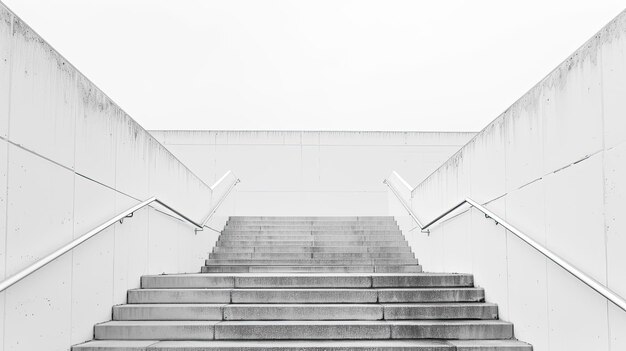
x: 118, y: 218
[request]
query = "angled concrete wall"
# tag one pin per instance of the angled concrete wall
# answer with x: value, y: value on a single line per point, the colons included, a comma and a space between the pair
x: 554, y: 165
x: 311, y: 173
x: 70, y: 159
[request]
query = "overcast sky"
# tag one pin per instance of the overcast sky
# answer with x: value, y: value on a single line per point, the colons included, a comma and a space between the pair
x: 318, y: 64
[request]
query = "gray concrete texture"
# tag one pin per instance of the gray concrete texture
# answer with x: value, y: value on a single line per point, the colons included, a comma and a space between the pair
x: 300, y: 298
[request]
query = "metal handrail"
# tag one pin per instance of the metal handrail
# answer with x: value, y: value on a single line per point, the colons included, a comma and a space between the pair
x: 219, y: 203
x: 118, y: 218
x: 577, y: 273
x: 404, y: 204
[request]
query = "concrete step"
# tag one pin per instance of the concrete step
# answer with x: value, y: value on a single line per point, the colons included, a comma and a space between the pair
x: 248, y: 312
x: 312, y: 296
x: 312, y: 232
x: 420, y: 311
x: 315, y: 222
x: 311, y: 269
x: 290, y: 312
x: 305, y: 345
x: 304, y: 224
x: 303, y: 330
x: 168, y: 312
x: 150, y: 296
x: 312, y: 255
x: 311, y: 262
x: 256, y: 243
x: 356, y: 295
x: 431, y: 295
x: 279, y: 228
x: 490, y: 345
x: 299, y: 248
x: 338, y: 237
x: 310, y: 236
x: 155, y: 330
x: 216, y: 296
x: 379, y: 280
x: 309, y: 218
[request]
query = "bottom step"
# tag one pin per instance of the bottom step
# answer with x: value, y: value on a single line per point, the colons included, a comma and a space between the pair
x: 298, y: 345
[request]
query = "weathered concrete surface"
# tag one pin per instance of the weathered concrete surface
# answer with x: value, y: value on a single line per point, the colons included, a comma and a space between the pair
x: 70, y: 158
x: 554, y: 165
x: 323, y: 306
x: 311, y: 173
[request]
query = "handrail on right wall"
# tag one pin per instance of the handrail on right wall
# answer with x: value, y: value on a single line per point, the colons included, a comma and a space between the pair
x: 580, y: 275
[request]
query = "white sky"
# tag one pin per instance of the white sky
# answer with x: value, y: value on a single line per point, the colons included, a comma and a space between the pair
x: 318, y: 64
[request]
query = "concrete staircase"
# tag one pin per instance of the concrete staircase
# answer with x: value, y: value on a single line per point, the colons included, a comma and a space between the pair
x: 307, y: 283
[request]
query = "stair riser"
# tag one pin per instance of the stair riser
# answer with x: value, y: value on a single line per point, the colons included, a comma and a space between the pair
x: 456, y: 311
x: 170, y: 313
x: 307, y: 281
x: 397, y: 243
x: 313, y: 249
x: 422, y: 281
x: 309, y: 218
x: 284, y: 296
x: 313, y: 269
x: 326, y: 312
x: 365, y: 331
x: 291, y: 228
x: 156, y: 332
x: 314, y: 224
x: 309, y: 225
x: 349, y: 237
x: 145, y: 296
x: 431, y: 295
x: 311, y: 262
x: 283, y: 233
x: 300, y: 296
x: 357, y: 312
x: 293, y: 313
x: 304, y: 256
x: 233, y: 331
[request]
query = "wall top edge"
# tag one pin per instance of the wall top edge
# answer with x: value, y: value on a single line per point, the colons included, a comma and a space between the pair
x: 25, y: 29
x: 555, y: 78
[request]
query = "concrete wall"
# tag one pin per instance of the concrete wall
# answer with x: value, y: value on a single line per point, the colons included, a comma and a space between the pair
x: 554, y: 165
x: 70, y: 159
x: 311, y: 173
